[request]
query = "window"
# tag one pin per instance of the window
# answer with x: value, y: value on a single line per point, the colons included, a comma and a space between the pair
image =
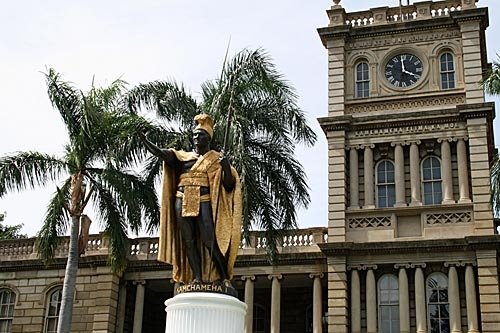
x: 7, y: 302
x: 388, y: 304
x: 362, y: 80
x: 53, y: 308
x: 386, y: 190
x: 259, y: 318
x: 431, y: 181
x: 447, y: 70
x: 437, y: 303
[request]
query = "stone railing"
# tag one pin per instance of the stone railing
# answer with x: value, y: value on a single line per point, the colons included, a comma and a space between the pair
x: 388, y: 15
x: 302, y: 238
x: 146, y: 248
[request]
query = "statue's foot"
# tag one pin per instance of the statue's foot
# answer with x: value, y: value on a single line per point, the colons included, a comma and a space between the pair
x: 227, y: 283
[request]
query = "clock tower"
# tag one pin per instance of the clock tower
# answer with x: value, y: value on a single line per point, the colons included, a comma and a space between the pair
x: 411, y: 240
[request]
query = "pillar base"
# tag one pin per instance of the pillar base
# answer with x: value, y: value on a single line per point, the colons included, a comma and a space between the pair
x: 205, y: 312
x: 467, y: 200
x: 415, y: 203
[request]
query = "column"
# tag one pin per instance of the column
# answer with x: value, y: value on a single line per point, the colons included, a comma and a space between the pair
x: 446, y: 175
x: 399, y: 174
x: 355, y: 302
x: 454, y: 300
x: 415, y: 174
x: 470, y: 298
x: 249, y: 292
x: 122, y: 302
x: 353, y: 178
x: 420, y: 312
x: 369, y: 181
x: 371, y: 301
x: 463, y: 173
x: 317, y: 302
x: 404, y: 304
x: 139, y: 306
x: 275, y: 302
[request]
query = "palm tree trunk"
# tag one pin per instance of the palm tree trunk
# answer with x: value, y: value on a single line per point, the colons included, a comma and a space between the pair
x: 68, y: 292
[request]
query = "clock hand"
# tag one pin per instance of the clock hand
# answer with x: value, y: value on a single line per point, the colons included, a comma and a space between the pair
x: 402, y: 64
x: 410, y: 73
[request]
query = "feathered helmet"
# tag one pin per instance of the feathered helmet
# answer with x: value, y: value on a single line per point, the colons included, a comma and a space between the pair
x: 204, y: 122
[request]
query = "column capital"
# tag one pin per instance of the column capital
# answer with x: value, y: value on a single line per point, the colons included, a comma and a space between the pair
x: 402, y: 265
x: 413, y: 142
x: 362, y: 267
x: 139, y: 282
x: 464, y: 138
x: 366, y: 145
x: 354, y: 147
x: 315, y: 275
x: 418, y: 265
x: 460, y: 263
x: 248, y: 277
x: 396, y: 143
x: 441, y: 140
x: 275, y: 276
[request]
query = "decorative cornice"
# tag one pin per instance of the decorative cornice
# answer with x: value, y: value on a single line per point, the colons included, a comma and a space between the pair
x: 406, y: 27
x: 469, y: 243
x: 404, y: 104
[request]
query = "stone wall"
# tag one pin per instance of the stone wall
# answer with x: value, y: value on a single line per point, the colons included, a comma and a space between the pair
x: 95, y: 298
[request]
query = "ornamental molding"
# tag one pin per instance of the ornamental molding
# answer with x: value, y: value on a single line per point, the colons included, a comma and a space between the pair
x: 409, y: 104
x: 408, y: 129
x: 404, y: 39
x: 362, y: 267
x: 460, y: 263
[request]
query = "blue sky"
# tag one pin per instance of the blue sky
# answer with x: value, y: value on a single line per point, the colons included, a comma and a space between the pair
x: 141, y: 41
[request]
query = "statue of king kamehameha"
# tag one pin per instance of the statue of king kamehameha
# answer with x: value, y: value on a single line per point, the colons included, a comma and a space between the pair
x: 201, y: 209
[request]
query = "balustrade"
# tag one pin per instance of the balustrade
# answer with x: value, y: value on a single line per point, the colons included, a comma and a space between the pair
x: 386, y: 15
x: 147, y: 248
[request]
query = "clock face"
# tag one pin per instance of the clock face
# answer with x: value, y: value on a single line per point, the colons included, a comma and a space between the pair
x: 403, y: 70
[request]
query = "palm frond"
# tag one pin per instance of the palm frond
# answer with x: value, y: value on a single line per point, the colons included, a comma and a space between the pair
x: 66, y: 99
x: 495, y: 185
x: 115, y: 226
x: 55, y: 222
x: 134, y: 196
x: 169, y: 100
x: 28, y: 169
x: 491, y: 79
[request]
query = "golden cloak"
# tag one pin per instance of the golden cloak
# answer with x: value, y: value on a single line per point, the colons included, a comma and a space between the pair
x: 227, y: 223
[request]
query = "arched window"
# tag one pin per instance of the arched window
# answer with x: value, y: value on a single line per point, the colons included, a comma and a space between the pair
x: 7, y: 302
x: 431, y: 181
x: 388, y: 304
x: 53, y: 308
x: 362, y: 80
x: 447, y: 70
x: 259, y: 318
x: 437, y: 303
x: 386, y: 191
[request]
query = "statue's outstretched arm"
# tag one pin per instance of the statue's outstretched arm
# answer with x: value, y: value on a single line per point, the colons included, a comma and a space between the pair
x: 165, y: 154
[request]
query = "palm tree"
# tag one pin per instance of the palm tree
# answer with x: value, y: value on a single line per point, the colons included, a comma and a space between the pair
x: 491, y: 84
x: 95, y: 171
x: 265, y: 126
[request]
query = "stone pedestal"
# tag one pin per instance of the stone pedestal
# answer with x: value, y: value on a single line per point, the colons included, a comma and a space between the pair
x: 205, y: 312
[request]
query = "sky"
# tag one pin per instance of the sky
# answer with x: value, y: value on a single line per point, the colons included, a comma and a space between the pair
x: 142, y: 41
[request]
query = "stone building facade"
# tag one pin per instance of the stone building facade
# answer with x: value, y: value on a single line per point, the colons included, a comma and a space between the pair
x: 410, y: 244
x: 411, y: 239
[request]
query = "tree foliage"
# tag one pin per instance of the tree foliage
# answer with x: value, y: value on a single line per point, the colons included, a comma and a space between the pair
x: 10, y: 231
x: 491, y: 84
x: 93, y: 169
x: 265, y: 126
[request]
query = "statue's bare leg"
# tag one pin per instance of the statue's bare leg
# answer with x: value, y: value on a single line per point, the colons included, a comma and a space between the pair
x: 187, y: 227
x: 207, y: 235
